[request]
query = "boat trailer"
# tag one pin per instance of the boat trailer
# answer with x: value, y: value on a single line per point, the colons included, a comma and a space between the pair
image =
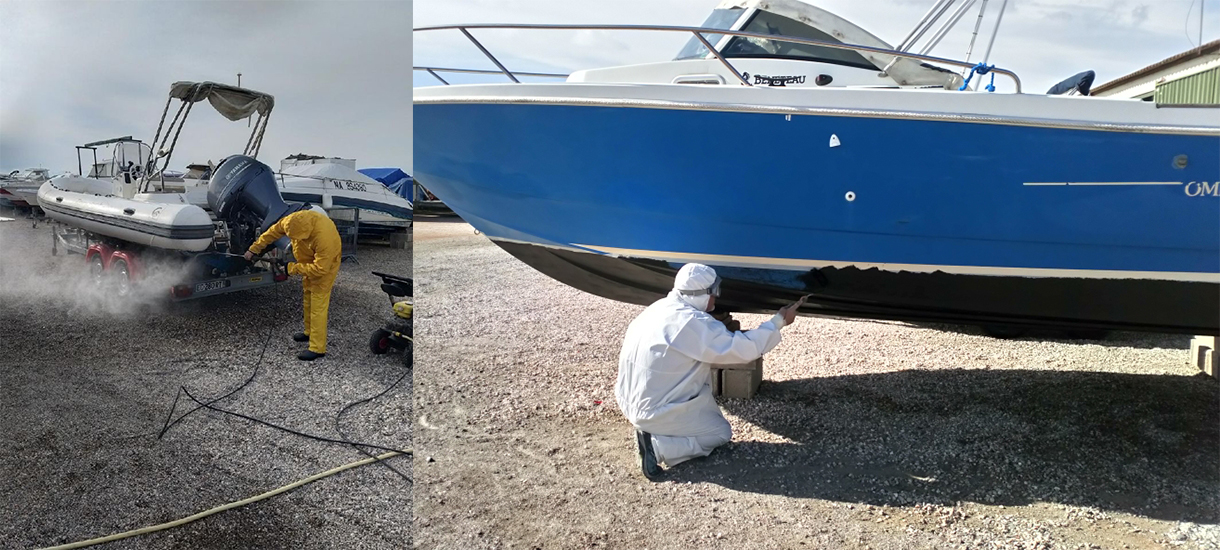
x: 120, y: 266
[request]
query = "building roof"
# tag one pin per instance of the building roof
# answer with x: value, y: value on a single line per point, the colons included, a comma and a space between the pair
x: 1209, y: 48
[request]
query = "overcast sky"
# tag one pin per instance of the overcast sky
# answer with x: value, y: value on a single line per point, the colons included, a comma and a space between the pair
x: 75, y: 72
x: 1044, y: 41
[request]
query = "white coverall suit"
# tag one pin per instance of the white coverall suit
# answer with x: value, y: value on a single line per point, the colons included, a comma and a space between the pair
x: 664, y: 382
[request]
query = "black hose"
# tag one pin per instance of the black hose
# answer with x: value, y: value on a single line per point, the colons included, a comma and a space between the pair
x: 210, y: 405
x: 349, y: 406
x: 289, y: 430
x: 257, y: 367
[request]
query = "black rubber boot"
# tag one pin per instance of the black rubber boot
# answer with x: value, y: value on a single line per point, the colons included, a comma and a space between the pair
x: 309, y: 355
x: 300, y: 337
x: 648, y: 458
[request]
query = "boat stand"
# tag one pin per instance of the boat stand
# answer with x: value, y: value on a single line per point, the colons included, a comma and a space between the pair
x: 1203, y: 355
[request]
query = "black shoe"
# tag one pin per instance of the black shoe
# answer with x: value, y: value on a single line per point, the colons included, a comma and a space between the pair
x: 300, y: 337
x: 309, y: 355
x: 648, y: 458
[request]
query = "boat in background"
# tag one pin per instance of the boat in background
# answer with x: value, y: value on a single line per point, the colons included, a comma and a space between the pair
x: 798, y: 154
x: 20, y: 187
x: 400, y: 182
x: 393, y: 178
x: 336, y: 185
x: 427, y: 203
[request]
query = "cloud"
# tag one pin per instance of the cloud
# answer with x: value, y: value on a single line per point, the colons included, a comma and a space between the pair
x: 1139, y: 14
x: 74, y: 72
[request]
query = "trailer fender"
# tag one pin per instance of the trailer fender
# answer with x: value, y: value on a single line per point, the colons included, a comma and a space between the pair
x: 135, y: 269
x: 100, y: 249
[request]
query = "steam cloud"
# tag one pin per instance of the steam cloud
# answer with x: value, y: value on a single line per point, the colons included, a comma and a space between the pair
x: 30, y: 274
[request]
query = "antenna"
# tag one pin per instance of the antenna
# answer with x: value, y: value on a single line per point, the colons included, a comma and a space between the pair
x: 239, y: 85
x: 1186, y: 24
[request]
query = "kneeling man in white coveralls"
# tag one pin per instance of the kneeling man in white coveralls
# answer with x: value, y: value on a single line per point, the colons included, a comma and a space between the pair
x: 664, y: 382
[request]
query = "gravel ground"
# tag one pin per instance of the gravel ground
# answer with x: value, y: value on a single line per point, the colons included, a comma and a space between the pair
x: 864, y: 434
x: 86, y: 382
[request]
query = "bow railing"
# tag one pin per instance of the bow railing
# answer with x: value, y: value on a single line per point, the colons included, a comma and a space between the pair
x: 697, y: 32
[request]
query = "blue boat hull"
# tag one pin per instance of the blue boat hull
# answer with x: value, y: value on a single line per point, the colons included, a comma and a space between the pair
x: 904, y: 219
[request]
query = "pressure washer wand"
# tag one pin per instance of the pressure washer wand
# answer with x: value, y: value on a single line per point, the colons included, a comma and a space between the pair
x: 276, y: 265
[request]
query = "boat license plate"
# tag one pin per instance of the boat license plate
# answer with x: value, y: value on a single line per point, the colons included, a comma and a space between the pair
x: 210, y: 286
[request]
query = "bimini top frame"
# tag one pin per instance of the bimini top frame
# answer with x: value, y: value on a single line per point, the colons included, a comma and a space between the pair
x: 698, y: 33
x: 231, y: 101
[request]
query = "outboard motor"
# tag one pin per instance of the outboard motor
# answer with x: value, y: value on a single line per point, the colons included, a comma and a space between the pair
x: 1076, y: 84
x: 243, y: 192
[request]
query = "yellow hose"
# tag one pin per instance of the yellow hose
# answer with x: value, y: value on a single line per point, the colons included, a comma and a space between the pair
x: 229, y: 506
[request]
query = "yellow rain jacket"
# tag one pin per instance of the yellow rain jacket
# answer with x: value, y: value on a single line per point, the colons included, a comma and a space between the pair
x: 317, y: 250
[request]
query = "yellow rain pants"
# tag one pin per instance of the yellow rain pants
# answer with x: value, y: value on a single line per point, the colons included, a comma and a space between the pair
x: 317, y: 250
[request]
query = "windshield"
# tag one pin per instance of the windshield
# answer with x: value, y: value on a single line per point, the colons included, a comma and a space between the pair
x: 769, y: 23
x: 719, y: 19
x: 125, y: 156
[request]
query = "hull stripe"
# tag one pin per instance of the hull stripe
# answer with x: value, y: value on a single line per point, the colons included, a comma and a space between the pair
x: 340, y: 200
x: 174, y: 232
x: 1106, y: 183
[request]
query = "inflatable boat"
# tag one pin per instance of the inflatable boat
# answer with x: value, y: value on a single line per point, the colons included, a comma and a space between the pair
x: 91, y: 205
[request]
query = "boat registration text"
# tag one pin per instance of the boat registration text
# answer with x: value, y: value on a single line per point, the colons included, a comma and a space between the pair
x: 210, y: 285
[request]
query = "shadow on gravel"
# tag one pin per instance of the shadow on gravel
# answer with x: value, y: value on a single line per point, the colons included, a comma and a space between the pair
x: 439, y: 218
x: 1147, y: 445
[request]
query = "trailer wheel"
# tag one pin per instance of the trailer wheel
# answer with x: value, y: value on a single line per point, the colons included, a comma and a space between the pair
x: 97, y: 271
x: 122, y: 277
x: 379, y: 343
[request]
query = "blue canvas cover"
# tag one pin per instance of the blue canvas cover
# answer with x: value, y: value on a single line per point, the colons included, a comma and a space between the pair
x: 394, y: 178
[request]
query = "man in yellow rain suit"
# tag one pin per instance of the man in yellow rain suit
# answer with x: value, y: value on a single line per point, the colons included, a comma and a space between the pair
x: 318, y: 250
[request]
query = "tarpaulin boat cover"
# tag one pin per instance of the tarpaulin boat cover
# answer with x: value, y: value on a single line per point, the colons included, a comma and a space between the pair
x: 328, y: 170
x: 232, y: 102
x: 322, y: 179
x: 394, y: 178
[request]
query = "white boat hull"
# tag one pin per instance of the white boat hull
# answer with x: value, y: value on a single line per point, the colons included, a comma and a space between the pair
x: 22, y: 192
x: 371, y: 217
x: 87, y: 204
x: 335, y: 186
